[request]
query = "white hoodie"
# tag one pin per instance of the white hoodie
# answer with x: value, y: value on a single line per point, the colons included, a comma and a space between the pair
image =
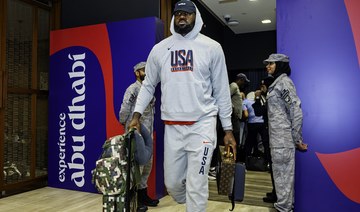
x: 193, y: 75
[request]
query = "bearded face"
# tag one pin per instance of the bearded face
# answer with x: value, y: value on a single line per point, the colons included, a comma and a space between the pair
x: 184, y: 22
x: 140, y: 74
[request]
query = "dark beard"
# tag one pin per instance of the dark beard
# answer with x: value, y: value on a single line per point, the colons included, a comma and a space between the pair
x: 185, y: 29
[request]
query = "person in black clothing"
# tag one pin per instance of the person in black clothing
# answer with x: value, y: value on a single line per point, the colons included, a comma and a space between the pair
x: 240, y: 82
x: 260, y: 109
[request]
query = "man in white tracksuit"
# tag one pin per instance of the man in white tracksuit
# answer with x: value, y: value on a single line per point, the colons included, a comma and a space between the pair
x: 285, y: 129
x: 194, y: 90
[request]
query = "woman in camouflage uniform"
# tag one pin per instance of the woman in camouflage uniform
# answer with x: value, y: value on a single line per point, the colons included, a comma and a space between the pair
x: 285, y: 129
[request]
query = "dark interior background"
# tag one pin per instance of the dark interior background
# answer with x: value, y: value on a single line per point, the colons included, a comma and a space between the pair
x: 244, y: 52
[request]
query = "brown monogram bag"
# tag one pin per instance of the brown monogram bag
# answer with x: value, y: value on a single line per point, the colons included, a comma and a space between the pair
x: 225, y: 172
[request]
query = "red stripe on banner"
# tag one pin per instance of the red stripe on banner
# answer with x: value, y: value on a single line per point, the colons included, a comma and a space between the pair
x: 99, y: 44
x: 343, y: 169
x: 152, y: 177
x: 353, y: 8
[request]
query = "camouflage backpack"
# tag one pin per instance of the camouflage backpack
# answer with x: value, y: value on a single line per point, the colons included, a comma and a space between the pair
x: 110, y: 173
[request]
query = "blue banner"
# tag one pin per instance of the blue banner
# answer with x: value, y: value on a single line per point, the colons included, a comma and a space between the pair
x: 322, y: 41
x: 90, y: 69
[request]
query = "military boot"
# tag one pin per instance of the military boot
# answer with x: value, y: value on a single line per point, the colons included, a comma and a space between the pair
x: 140, y: 205
x: 145, y: 199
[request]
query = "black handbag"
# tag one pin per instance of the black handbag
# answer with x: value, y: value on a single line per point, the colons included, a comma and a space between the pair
x: 255, y: 163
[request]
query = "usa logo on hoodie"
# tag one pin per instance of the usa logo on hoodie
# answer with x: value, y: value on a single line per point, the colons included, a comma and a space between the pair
x: 182, y: 60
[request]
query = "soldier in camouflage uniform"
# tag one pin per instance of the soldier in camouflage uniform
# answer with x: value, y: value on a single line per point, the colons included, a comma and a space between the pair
x: 147, y: 119
x: 285, y: 129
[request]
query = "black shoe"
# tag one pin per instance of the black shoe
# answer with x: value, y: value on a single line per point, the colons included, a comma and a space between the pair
x: 145, y: 199
x: 267, y: 167
x: 151, y: 202
x: 270, y: 199
x: 269, y: 194
x: 141, y: 207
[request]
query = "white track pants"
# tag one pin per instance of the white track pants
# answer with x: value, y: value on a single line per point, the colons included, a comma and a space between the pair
x: 187, y: 155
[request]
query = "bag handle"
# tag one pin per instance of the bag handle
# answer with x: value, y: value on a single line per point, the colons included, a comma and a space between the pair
x: 234, y: 156
x: 230, y: 155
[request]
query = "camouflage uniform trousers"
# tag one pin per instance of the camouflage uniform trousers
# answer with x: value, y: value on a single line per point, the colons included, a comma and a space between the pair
x: 284, y: 175
x: 146, y: 169
x: 145, y: 173
x: 147, y: 119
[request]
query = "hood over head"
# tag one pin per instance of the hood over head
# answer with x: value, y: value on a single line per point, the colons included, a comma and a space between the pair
x: 194, y: 32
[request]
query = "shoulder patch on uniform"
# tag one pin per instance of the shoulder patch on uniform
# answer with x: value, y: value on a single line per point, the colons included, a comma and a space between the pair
x: 285, y: 96
x: 132, y: 98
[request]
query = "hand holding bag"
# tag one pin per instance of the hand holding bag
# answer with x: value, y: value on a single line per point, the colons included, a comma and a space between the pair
x: 230, y: 177
x: 225, y: 172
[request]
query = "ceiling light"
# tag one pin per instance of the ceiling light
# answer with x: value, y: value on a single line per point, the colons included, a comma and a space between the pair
x: 266, y: 21
x: 229, y: 21
x: 233, y: 22
x: 226, y: 1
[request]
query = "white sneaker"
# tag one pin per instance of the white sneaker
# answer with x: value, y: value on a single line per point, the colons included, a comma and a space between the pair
x: 212, y: 173
x: 211, y: 177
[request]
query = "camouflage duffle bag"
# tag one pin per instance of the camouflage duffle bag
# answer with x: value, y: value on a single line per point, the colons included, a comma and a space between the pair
x: 110, y: 173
